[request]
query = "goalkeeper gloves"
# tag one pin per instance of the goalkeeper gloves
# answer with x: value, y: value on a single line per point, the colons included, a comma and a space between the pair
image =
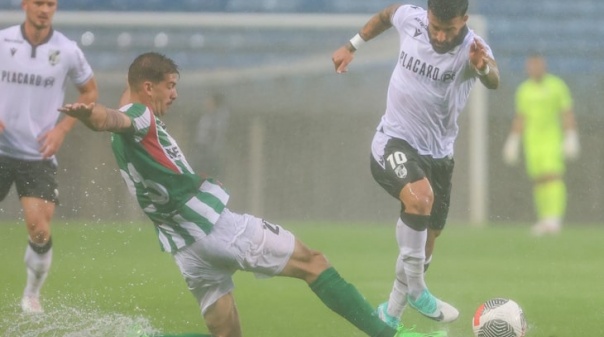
x: 511, y: 149
x: 571, y: 145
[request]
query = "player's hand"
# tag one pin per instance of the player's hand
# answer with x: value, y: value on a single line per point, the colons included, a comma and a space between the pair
x: 341, y: 58
x: 77, y: 110
x: 571, y: 145
x: 51, y: 141
x: 478, y: 55
x: 2, y: 127
x: 511, y: 149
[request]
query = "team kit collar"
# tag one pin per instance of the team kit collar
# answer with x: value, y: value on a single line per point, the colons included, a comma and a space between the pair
x: 34, y: 47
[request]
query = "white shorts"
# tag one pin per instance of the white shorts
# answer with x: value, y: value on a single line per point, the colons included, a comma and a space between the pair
x: 236, y: 242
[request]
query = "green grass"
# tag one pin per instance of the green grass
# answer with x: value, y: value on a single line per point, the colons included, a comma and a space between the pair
x: 100, y: 270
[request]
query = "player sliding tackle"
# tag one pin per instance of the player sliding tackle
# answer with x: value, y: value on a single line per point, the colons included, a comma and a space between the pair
x: 208, y: 241
x: 412, y: 151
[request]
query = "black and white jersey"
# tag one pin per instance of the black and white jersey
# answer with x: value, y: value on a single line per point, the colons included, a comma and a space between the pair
x: 32, y: 83
x: 427, y: 90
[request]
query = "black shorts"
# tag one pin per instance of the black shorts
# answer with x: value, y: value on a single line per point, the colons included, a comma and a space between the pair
x: 33, y: 178
x: 398, y: 164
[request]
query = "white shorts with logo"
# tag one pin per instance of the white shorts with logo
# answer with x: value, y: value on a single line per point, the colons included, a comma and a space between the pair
x: 236, y: 242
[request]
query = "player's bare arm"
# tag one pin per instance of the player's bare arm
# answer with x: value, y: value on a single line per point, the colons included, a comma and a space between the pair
x: 378, y: 23
x: 98, y: 117
x: 568, y: 120
x: 485, y: 66
x: 51, y: 141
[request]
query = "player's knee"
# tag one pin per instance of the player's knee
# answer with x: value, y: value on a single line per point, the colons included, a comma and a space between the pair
x: 319, y: 261
x: 315, y: 264
x: 307, y: 264
x: 222, y: 319
x: 38, y: 234
x: 418, y: 198
x: 419, y: 204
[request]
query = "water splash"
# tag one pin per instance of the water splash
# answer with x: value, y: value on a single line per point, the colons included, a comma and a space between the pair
x: 73, y: 321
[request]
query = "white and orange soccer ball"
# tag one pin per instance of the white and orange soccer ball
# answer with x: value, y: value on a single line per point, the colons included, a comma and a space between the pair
x: 499, y: 317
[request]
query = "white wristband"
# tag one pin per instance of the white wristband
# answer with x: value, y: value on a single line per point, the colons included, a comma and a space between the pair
x: 484, y: 72
x: 357, y: 41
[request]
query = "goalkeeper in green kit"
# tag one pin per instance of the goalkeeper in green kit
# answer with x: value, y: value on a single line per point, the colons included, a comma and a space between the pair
x: 546, y: 124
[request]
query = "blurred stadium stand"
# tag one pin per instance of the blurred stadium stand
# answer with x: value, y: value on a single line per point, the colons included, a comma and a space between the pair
x: 555, y: 27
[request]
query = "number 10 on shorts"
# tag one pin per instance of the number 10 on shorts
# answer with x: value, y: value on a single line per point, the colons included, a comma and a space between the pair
x: 395, y: 159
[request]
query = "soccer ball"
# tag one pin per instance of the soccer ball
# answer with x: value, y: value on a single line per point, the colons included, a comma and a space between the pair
x: 499, y: 317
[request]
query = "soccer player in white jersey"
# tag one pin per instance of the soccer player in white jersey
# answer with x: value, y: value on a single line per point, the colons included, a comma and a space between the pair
x: 439, y: 60
x: 35, y: 63
x: 207, y: 240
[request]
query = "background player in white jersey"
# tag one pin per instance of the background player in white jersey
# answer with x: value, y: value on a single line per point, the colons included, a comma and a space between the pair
x: 412, y: 151
x: 208, y: 241
x: 35, y: 62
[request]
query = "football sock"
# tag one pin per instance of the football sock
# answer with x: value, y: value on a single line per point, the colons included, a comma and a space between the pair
x: 344, y: 299
x: 550, y: 199
x: 398, y: 296
x: 37, y: 260
x: 427, y: 263
x: 412, y: 244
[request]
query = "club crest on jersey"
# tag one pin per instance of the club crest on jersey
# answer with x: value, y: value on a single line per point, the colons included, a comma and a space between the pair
x: 54, y: 57
x: 401, y: 171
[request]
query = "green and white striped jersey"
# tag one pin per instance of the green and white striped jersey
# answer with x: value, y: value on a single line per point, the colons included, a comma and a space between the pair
x: 182, y: 205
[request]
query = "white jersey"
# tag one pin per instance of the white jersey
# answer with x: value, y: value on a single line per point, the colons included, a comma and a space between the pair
x: 427, y: 90
x: 32, y: 83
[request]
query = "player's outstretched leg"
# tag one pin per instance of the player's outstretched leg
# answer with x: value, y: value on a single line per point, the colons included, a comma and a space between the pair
x: 339, y: 295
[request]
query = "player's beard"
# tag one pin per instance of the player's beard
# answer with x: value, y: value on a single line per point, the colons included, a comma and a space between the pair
x: 441, y: 48
x: 449, y: 45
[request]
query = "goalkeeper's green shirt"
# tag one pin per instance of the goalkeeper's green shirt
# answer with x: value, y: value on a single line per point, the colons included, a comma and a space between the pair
x: 541, y: 104
x: 183, y: 206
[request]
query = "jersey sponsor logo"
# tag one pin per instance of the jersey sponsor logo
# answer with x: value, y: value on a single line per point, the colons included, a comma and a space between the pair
x: 448, y: 76
x: 424, y: 69
x: 27, y: 79
x: 54, y: 57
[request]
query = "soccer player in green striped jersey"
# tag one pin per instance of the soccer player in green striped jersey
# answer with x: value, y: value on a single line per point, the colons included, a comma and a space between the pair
x: 209, y: 242
x: 546, y: 123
